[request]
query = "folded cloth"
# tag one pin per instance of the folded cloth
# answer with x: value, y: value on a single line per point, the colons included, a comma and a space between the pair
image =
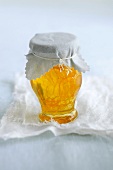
x: 94, y: 105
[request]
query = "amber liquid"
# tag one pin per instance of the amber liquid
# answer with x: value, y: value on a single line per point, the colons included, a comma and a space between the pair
x: 57, y: 90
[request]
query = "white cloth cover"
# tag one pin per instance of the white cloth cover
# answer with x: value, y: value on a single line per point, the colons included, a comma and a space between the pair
x: 49, y: 49
x: 94, y: 105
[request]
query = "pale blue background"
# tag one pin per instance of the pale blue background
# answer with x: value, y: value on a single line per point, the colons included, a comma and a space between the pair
x: 92, y: 22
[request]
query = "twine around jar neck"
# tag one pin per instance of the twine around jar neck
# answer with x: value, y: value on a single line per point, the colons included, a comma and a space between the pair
x: 54, y: 58
x: 61, y: 60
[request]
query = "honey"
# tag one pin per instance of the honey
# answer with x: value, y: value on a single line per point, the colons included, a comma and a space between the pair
x: 57, y: 91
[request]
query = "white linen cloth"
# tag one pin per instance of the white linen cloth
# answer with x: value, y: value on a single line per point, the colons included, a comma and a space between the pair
x: 94, y: 105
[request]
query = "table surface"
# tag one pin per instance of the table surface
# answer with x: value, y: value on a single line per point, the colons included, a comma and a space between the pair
x: 92, y: 22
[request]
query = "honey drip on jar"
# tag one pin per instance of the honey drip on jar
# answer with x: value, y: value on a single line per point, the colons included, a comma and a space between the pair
x: 57, y: 90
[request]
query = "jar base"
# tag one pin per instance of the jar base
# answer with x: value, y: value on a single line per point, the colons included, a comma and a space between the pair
x: 61, y: 119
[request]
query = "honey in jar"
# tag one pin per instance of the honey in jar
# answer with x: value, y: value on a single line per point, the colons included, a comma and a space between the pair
x: 57, y: 90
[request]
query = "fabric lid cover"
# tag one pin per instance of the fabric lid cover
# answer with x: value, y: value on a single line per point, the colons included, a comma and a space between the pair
x: 49, y: 49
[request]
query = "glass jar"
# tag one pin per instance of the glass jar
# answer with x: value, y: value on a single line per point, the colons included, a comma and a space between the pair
x: 54, y: 75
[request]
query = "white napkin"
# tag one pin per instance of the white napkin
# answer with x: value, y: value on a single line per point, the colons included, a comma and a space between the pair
x: 94, y: 105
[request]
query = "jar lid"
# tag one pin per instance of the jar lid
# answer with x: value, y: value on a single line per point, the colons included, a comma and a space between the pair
x: 53, y: 45
x: 49, y: 49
